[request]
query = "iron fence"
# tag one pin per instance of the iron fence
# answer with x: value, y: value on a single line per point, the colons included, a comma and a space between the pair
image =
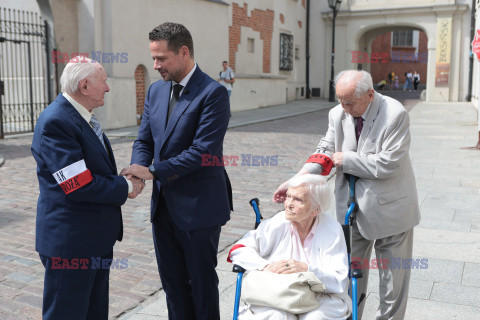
x: 24, y: 70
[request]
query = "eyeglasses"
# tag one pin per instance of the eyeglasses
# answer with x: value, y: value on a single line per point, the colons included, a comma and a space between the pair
x: 352, y: 101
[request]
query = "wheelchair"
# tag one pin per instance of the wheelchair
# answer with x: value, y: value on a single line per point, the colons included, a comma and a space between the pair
x: 353, y: 274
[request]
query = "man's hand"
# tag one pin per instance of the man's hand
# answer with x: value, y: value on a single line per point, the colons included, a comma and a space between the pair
x: 286, y: 266
x: 137, y: 171
x: 137, y: 185
x: 337, y: 159
x: 281, y: 193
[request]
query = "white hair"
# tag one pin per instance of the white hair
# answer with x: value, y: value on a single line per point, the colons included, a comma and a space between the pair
x: 363, y: 80
x: 319, y: 192
x: 77, y: 69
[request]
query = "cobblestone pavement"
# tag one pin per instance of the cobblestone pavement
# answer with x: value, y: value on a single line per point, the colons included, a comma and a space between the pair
x: 292, y: 140
x: 21, y: 272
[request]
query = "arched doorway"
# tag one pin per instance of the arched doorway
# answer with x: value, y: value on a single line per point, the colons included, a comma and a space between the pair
x: 140, y: 90
x: 358, y: 26
x: 396, y: 50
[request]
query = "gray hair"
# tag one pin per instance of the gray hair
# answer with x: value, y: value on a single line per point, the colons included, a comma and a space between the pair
x: 363, y: 80
x: 77, y: 69
x: 319, y: 192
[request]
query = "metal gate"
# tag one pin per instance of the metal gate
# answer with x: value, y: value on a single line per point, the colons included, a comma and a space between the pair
x: 24, y: 70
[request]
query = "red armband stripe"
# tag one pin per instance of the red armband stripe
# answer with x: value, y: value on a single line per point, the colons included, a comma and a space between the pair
x: 324, y: 161
x: 76, y: 182
x: 235, y: 247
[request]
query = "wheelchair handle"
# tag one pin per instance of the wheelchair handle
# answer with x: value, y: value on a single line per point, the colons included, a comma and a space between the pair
x: 352, y: 201
x: 258, y: 216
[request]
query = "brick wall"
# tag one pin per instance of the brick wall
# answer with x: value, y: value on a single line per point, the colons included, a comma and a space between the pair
x: 140, y: 89
x: 259, y: 20
x: 399, y: 59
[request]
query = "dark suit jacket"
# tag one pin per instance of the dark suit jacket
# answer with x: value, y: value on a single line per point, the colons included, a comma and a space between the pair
x: 197, y: 196
x: 78, y: 210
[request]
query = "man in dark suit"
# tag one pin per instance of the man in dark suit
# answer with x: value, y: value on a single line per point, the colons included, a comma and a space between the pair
x: 185, y: 116
x: 78, y: 211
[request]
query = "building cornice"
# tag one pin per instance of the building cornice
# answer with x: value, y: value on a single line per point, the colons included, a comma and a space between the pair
x: 436, y: 9
x: 219, y: 2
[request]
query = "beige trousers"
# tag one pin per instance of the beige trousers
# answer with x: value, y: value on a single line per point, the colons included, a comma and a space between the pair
x: 394, y: 276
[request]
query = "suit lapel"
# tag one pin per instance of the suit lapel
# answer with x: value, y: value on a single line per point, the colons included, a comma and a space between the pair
x: 87, y: 131
x: 110, y: 152
x: 190, y: 91
x: 163, y: 106
x: 369, y: 120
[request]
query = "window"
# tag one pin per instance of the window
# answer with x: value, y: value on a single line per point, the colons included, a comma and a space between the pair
x: 286, y: 51
x: 402, y: 38
x: 297, y: 53
x: 250, y: 45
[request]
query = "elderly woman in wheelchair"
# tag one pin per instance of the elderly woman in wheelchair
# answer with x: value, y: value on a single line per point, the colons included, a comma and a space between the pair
x: 300, y: 239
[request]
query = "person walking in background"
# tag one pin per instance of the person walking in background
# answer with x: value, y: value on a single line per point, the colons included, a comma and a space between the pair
x: 227, y: 77
x: 408, y: 81
x: 396, y: 85
x: 368, y: 137
x: 416, y: 80
x: 185, y: 118
x: 391, y: 79
x: 78, y: 211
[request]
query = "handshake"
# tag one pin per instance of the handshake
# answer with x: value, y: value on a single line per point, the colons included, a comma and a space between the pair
x: 137, y: 174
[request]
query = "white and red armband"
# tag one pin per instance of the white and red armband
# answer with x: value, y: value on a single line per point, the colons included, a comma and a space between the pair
x: 324, y: 161
x: 73, y: 177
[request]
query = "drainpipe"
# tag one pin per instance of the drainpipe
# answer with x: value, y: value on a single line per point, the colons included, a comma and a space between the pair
x: 307, y: 53
x: 470, y: 68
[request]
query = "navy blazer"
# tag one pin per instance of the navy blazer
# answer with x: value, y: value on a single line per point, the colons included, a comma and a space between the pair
x: 78, y: 210
x: 197, y: 196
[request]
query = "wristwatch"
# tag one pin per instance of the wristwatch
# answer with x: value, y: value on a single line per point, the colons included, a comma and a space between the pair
x: 151, y: 168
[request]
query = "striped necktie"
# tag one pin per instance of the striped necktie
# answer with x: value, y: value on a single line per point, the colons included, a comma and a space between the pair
x: 175, y: 96
x: 97, y: 129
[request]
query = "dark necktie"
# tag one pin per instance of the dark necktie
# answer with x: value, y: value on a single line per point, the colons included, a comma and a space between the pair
x: 97, y: 129
x: 175, y: 96
x: 358, y: 126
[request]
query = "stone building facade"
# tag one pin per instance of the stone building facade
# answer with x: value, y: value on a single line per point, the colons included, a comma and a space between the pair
x: 266, y: 43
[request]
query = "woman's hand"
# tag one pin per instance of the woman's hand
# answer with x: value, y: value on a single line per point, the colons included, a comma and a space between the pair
x: 286, y: 266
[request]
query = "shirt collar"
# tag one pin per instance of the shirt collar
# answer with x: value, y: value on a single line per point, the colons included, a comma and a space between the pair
x: 87, y: 115
x: 187, y: 78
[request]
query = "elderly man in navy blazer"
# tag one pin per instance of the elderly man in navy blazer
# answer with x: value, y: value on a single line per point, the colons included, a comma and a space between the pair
x: 185, y: 116
x: 78, y: 211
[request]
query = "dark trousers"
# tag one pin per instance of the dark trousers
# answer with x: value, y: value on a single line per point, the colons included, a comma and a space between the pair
x: 186, y: 263
x: 71, y: 292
